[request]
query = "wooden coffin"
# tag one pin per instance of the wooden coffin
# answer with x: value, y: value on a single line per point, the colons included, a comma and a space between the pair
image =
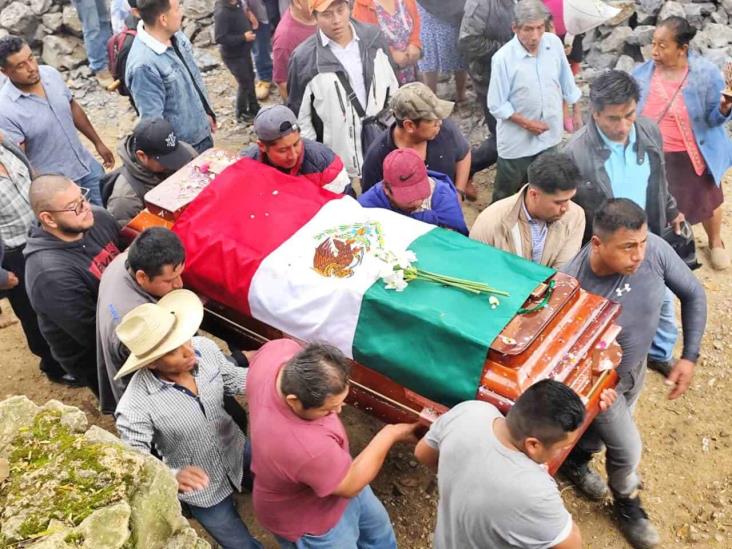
x: 571, y: 339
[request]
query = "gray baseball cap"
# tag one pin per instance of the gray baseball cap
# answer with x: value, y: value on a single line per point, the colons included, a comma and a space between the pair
x: 275, y: 122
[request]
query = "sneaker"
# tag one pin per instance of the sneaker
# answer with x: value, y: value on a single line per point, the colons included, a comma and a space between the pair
x: 634, y: 523
x: 585, y: 479
x: 663, y: 367
x: 261, y: 89
x: 104, y: 77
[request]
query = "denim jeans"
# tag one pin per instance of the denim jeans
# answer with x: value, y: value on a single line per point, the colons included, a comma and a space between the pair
x: 662, y: 347
x: 263, y: 53
x: 616, y: 430
x: 91, y: 181
x: 223, y: 522
x: 365, y: 524
x: 97, y: 29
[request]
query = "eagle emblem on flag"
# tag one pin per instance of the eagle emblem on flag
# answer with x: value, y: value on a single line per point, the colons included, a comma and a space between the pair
x: 341, y: 250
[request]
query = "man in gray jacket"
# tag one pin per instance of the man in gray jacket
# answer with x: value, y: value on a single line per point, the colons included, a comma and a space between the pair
x: 148, y: 270
x: 620, y: 155
x: 485, y: 28
x: 149, y: 155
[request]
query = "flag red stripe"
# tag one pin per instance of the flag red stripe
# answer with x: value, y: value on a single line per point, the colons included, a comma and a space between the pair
x: 239, y: 219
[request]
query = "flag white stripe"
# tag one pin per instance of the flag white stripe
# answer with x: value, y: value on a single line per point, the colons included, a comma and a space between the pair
x: 288, y: 294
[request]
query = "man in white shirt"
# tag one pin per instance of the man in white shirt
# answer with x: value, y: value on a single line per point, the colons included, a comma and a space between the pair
x: 338, y: 77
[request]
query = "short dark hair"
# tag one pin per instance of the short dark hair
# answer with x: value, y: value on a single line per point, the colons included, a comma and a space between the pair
x: 683, y: 31
x: 150, y: 10
x: 315, y: 373
x: 10, y: 45
x: 613, y: 88
x: 153, y: 249
x: 615, y: 214
x: 552, y: 172
x: 547, y: 411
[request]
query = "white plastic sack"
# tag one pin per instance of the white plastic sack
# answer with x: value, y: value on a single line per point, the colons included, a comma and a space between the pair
x: 584, y: 15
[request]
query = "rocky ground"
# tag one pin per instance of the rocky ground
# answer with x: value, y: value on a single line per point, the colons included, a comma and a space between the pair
x: 687, y: 460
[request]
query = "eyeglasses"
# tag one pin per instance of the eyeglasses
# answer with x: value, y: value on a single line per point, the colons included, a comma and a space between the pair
x: 78, y: 206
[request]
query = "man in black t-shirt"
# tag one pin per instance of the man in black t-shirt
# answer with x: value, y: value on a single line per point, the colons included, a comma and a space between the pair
x: 422, y: 124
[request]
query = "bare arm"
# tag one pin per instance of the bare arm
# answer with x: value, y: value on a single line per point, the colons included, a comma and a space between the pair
x: 462, y: 171
x: 573, y: 541
x: 426, y: 454
x: 368, y: 463
x: 82, y: 123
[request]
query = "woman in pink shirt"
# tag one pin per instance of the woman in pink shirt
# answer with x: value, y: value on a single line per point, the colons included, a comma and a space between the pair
x: 682, y: 94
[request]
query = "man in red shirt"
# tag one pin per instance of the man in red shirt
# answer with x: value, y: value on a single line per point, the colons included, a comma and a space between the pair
x: 308, y: 490
x: 296, y: 26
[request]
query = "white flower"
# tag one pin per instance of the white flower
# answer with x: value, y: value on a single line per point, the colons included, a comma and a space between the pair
x: 395, y: 281
x: 386, y: 269
x: 405, y: 258
x: 493, y: 301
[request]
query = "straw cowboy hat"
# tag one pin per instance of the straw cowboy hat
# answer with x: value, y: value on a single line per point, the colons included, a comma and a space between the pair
x: 152, y: 330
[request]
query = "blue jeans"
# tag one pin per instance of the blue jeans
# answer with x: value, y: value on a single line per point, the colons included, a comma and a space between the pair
x: 662, y: 347
x: 365, y: 524
x: 97, y: 29
x: 91, y: 181
x: 225, y: 525
x: 263, y: 53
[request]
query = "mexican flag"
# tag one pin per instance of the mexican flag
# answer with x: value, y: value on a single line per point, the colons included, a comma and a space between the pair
x: 309, y: 262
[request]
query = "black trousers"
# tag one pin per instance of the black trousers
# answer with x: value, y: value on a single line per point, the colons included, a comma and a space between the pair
x: 243, y: 71
x: 486, y: 154
x: 15, y: 262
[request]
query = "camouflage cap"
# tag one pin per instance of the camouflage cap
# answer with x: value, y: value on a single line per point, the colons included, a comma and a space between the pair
x: 416, y: 101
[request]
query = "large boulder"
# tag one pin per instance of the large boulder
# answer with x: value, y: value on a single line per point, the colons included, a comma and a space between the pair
x: 671, y: 8
x: 69, y: 487
x: 63, y: 52
x: 72, y: 23
x: 641, y: 35
x: 198, y: 9
x: 39, y: 7
x: 615, y: 41
x: 19, y: 19
x: 53, y: 21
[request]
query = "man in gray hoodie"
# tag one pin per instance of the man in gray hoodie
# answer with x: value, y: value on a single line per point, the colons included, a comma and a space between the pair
x: 148, y: 270
x: 149, y: 155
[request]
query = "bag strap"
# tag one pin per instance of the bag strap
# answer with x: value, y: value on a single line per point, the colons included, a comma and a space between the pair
x: 204, y: 102
x: 673, y: 97
x: 343, y: 79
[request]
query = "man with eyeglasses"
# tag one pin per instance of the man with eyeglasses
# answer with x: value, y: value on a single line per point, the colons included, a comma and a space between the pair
x: 280, y: 145
x: 16, y: 217
x: 67, y: 251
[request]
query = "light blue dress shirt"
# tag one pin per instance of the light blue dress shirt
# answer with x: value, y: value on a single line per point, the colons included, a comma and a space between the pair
x: 46, y: 126
x: 534, y: 86
x: 628, y: 174
x: 539, y: 230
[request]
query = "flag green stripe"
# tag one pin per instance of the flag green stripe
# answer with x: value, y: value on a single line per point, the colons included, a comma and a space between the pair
x: 434, y: 339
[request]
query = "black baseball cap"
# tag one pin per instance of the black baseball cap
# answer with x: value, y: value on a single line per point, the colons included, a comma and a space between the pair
x: 156, y: 138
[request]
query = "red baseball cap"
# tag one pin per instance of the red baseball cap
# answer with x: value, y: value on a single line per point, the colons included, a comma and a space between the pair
x: 406, y: 174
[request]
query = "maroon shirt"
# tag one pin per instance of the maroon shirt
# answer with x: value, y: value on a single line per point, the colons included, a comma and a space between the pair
x: 298, y: 463
x: 289, y: 34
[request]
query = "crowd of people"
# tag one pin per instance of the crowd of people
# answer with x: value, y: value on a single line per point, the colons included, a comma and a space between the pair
x: 361, y: 116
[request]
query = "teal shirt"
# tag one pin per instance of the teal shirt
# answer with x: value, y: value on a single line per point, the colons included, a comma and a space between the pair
x: 628, y: 174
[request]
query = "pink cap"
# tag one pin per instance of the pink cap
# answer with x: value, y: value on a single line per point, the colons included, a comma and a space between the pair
x: 406, y: 174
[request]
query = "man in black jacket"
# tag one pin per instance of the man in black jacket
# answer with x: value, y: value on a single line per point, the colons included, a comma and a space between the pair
x: 16, y: 217
x: 66, y: 253
x: 485, y: 28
